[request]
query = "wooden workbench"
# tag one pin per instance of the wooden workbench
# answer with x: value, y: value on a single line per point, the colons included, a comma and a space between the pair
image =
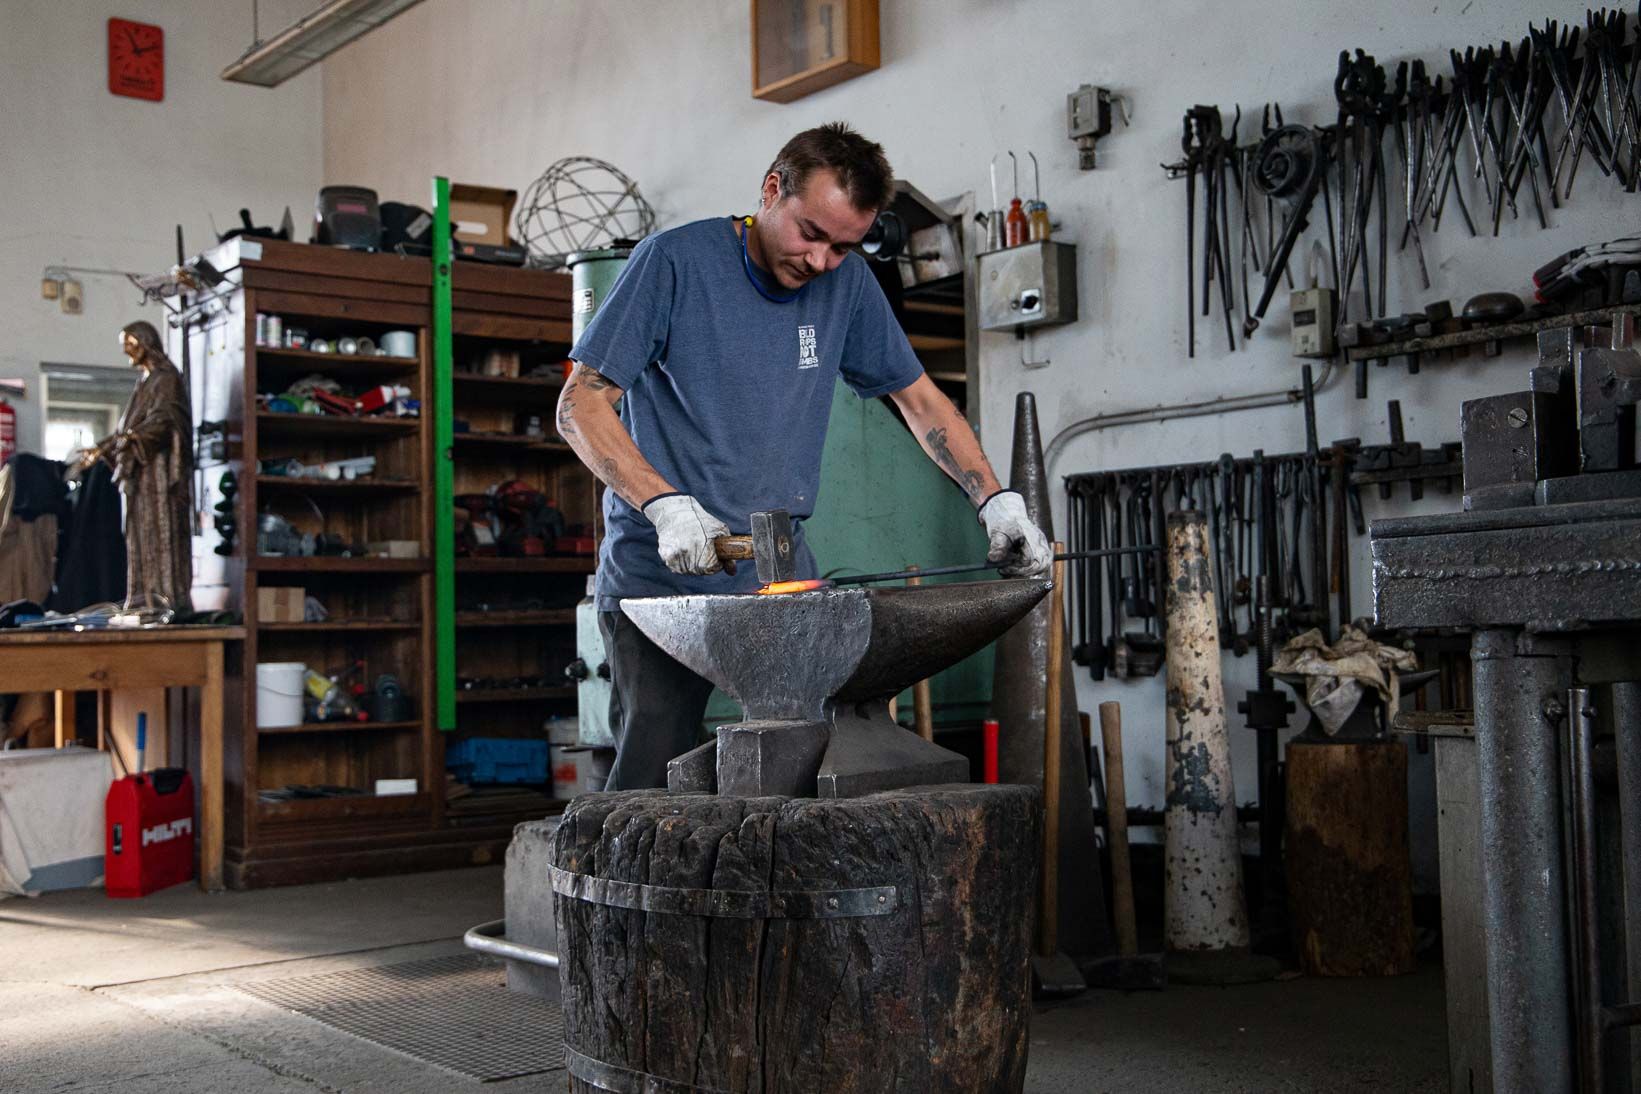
x: 114, y: 659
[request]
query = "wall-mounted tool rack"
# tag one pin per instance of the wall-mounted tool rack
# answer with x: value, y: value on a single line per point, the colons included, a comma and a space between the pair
x: 1485, y: 336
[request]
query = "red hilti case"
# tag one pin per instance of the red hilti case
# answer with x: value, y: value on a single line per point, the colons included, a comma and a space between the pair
x: 150, y: 820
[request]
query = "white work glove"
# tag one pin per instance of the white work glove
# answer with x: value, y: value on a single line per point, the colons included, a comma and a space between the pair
x: 685, y: 532
x: 1018, y: 546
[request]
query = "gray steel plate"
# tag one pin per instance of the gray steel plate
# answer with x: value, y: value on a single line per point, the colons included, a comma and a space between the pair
x: 453, y: 1012
x: 1545, y: 567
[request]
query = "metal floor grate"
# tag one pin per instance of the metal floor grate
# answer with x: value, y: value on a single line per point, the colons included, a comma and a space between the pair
x: 455, y: 1012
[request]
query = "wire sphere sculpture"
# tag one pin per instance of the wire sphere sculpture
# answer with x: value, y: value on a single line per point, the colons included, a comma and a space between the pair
x: 579, y: 203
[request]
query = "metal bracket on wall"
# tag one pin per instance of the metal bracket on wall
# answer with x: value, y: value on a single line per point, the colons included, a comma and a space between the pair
x: 444, y: 532
x: 1088, y: 118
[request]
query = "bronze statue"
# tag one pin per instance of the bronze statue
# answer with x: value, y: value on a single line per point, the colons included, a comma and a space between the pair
x: 153, y: 460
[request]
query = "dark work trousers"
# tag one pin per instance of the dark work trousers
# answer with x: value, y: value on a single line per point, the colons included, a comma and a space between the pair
x: 656, y: 705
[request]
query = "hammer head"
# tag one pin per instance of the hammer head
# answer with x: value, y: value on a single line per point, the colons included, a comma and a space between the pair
x: 772, y: 546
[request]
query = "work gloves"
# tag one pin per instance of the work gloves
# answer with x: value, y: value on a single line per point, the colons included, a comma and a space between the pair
x: 685, y: 532
x: 1018, y: 546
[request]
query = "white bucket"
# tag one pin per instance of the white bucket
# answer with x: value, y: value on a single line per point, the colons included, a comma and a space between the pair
x: 279, y: 687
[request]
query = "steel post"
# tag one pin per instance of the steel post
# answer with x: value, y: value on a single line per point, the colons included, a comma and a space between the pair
x: 1520, y: 690
x: 1626, y: 723
x: 1581, y: 718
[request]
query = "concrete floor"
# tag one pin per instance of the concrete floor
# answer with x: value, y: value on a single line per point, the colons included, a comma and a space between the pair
x: 137, y: 997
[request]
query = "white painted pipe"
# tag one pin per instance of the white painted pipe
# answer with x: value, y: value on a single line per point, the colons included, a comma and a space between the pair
x: 1203, y: 902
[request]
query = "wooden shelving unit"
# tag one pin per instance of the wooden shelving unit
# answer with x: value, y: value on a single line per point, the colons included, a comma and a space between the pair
x: 525, y: 628
x: 337, y: 487
x: 346, y: 626
x: 576, y: 564
x: 380, y: 608
x: 520, y: 388
x: 278, y: 564
x: 544, y: 618
x: 514, y: 695
x: 346, y: 727
x: 272, y: 425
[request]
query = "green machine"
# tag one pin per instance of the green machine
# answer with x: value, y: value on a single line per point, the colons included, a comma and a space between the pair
x: 592, y: 274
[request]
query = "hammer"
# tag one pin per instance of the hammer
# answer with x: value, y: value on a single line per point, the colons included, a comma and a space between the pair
x: 769, y: 547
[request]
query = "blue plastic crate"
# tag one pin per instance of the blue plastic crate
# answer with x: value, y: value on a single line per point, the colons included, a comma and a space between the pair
x: 497, y: 760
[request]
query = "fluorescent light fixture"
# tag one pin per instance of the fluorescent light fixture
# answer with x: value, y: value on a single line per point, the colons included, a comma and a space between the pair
x: 311, y: 39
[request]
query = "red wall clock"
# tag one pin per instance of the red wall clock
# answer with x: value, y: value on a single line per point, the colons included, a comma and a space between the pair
x: 136, y: 59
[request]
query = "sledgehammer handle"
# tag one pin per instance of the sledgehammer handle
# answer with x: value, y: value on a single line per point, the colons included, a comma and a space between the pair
x: 1048, y: 933
x: 1116, y: 828
x: 738, y: 548
x: 733, y: 548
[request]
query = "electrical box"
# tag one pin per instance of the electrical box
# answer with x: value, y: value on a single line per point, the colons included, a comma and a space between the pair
x: 1032, y: 285
x: 1312, y: 312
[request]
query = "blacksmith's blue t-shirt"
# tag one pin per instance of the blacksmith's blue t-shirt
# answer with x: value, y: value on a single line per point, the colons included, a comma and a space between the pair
x: 727, y: 393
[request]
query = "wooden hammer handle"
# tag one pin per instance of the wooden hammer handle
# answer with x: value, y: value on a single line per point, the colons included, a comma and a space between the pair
x: 1048, y: 930
x: 1116, y: 827
x: 734, y: 547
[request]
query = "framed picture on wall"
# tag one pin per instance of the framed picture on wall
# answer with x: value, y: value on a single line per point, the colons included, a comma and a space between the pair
x: 802, y: 46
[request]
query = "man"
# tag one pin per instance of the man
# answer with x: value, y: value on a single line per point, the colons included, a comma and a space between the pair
x: 722, y: 341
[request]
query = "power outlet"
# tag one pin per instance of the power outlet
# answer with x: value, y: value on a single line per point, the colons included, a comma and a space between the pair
x: 71, y: 301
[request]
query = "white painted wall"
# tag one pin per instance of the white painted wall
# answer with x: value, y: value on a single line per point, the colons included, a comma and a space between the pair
x: 96, y: 180
x: 494, y: 92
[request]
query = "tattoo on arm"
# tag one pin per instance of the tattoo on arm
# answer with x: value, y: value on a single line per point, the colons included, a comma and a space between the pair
x: 566, y: 415
x: 972, y: 482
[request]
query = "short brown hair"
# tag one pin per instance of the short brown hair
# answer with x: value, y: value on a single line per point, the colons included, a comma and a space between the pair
x: 862, y: 169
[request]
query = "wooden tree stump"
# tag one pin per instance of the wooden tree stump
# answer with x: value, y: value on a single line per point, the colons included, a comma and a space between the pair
x: 859, y: 944
x: 1350, y: 881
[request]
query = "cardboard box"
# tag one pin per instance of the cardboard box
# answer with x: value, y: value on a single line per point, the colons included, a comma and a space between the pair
x: 281, y: 603
x: 396, y: 548
x: 481, y: 214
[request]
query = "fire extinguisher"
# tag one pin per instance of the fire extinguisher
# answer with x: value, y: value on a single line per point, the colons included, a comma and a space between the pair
x: 8, y: 431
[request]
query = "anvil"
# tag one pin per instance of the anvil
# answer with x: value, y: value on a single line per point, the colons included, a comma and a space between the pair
x: 814, y: 673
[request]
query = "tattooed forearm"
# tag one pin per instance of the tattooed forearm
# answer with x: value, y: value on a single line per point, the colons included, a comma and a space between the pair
x: 970, y: 479
x: 587, y: 420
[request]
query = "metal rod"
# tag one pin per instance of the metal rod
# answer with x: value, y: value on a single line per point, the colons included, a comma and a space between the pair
x: 939, y: 571
x: 491, y: 939
x: 1586, y: 928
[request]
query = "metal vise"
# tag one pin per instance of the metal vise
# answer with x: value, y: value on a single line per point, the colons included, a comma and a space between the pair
x: 1571, y: 436
x: 814, y: 672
